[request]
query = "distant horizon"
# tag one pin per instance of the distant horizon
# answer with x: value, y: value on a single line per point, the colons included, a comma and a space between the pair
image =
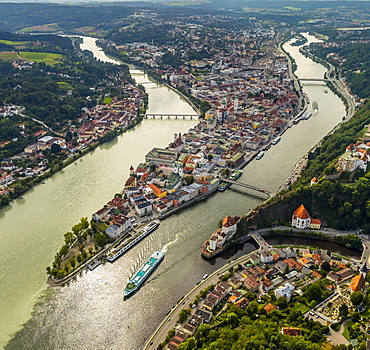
x: 163, y: 1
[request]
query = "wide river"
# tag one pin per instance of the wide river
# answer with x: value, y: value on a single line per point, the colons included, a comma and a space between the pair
x: 89, y: 313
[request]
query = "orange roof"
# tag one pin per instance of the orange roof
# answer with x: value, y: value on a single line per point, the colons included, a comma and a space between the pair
x: 270, y: 307
x: 301, y: 212
x: 304, y: 260
x: 157, y: 191
x: 228, y: 221
x: 316, y: 274
x: 357, y: 283
x: 292, y: 331
x: 316, y: 221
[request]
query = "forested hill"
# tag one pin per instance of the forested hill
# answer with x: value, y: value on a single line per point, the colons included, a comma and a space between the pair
x: 53, y: 93
x: 255, y: 329
x: 353, y: 59
x: 342, y: 203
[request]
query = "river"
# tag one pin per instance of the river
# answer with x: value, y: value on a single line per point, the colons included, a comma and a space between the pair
x: 90, y: 313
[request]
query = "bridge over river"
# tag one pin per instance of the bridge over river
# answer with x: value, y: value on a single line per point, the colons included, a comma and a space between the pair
x: 314, y: 79
x: 169, y: 116
x: 250, y: 187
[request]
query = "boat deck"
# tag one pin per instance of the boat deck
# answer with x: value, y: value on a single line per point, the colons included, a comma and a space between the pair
x: 144, y: 270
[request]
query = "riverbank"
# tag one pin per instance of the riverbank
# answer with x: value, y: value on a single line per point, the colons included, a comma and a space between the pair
x: 334, y: 83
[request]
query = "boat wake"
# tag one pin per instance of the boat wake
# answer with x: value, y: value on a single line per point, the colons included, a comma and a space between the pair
x: 165, y: 247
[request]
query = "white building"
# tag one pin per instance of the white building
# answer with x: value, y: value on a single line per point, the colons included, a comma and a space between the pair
x: 120, y: 225
x: 301, y: 218
x: 286, y: 291
x: 266, y: 257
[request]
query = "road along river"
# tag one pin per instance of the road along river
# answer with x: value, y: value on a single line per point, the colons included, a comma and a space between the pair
x: 90, y: 312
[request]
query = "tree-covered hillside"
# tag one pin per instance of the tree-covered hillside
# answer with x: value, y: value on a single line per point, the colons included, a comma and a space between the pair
x: 254, y: 329
x: 352, y: 58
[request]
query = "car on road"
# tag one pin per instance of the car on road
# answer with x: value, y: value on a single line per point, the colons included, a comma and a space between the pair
x: 169, y: 320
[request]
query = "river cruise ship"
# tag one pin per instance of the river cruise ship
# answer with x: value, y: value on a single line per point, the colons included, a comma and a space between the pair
x: 275, y: 141
x: 143, y: 273
x: 233, y: 177
x: 116, y: 252
x: 260, y: 155
x: 307, y: 115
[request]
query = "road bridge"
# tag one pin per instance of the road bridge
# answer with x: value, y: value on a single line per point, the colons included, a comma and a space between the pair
x: 170, y: 116
x: 250, y: 187
x: 259, y: 240
x: 313, y: 79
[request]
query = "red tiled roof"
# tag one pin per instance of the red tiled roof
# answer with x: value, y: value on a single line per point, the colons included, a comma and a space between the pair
x: 301, y: 212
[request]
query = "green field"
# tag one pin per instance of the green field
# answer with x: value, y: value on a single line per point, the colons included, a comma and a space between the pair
x: 48, y: 58
x: 8, y: 56
x: 107, y: 100
x: 14, y: 43
x: 293, y: 8
x: 300, y: 307
x: 64, y: 85
x: 43, y: 29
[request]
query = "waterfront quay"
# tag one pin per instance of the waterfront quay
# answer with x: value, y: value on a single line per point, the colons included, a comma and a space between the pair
x: 284, y: 270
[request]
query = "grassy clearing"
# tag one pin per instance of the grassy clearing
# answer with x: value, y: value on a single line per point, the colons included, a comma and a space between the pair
x: 64, y: 85
x: 293, y: 8
x: 107, y: 100
x: 14, y: 43
x: 366, y: 313
x: 37, y: 29
x: 345, y: 332
x: 46, y: 57
x: 300, y: 307
x: 102, y: 226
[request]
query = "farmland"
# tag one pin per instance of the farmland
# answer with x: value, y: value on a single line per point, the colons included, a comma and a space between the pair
x: 48, y: 58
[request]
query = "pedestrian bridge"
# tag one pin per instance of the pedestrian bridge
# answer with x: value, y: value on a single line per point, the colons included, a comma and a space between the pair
x: 250, y: 187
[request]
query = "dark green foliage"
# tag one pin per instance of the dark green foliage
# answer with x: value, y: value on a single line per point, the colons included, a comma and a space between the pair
x: 356, y: 67
x: 335, y: 144
x: 356, y: 298
x: 101, y: 239
x: 340, y: 206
